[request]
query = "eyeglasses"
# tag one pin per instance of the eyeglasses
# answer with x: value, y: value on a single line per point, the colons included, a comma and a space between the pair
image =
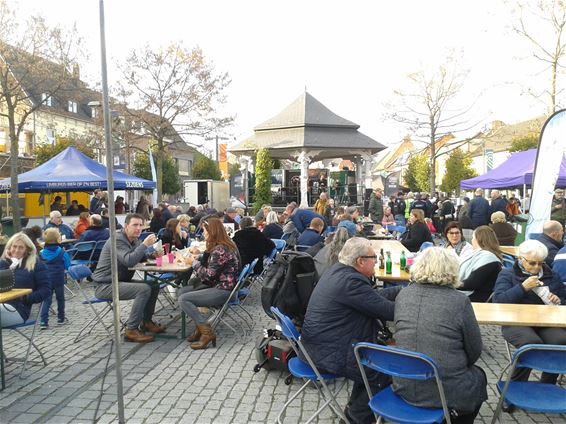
x: 374, y: 257
x: 533, y: 263
x: 453, y: 233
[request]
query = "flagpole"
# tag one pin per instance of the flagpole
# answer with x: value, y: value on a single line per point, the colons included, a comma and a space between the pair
x: 112, y: 219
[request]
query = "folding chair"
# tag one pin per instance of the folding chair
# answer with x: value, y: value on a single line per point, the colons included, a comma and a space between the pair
x: 307, y: 370
x: 18, y: 329
x: 279, y: 244
x: 403, y: 364
x: 426, y: 245
x: 81, y: 253
x: 533, y: 396
x: 77, y: 274
x: 221, y: 312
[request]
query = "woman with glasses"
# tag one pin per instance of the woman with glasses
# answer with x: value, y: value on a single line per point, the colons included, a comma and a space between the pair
x: 479, y: 271
x: 454, y: 240
x: 216, y: 273
x: 531, y: 281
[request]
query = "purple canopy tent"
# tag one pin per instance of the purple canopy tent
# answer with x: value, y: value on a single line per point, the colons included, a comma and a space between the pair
x: 517, y: 171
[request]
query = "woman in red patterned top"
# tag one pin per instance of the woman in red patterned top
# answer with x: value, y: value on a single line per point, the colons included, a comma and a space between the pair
x: 216, y: 273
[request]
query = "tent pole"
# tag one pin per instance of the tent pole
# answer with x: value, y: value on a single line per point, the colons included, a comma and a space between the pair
x: 112, y: 218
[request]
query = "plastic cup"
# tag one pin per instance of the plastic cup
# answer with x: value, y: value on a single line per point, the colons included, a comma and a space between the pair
x: 166, y: 248
x: 409, y: 261
x: 159, y: 261
x: 171, y: 257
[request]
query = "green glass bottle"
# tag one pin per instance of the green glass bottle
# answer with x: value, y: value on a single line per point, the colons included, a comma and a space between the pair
x: 388, y: 264
x: 403, y: 261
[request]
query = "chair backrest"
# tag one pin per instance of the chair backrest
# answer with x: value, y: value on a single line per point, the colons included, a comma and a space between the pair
x: 78, y: 272
x: 426, y: 245
x: 160, y: 232
x: 144, y: 235
x: 287, y: 327
x: 279, y: 244
x: 84, y: 246
x: 508, y: 261
x: 541, y: 357
x: 534, y: 236
x: 251, y: 267
x: 273, y: 254
x: 100, y: 244
x: 244, y: 272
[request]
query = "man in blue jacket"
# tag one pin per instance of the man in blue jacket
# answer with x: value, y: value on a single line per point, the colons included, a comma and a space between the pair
x: 56, y: 221
x: 478, y: 211
x: 312, y: 235
x: 344, y: 309
x: 303, y: 217
x: 552, y: 236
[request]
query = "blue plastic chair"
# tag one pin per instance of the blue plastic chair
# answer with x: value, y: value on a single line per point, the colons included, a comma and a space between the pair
x: 403, y: 364
x: 81, y: 253
x: 396, y: 228
x: 534, y: 236
x: 279, y: 244
x: 306, y: 370
x: 160, y: 233
x: 533, y: 396
x: 144, y: 235
x: 77, y: 273
x: 426, y: 245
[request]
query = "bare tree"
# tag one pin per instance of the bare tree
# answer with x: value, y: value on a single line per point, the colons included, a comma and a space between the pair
x: 427, y: 109
x: 173, y: 92
x: 543, y: 24
x: 27, y: 80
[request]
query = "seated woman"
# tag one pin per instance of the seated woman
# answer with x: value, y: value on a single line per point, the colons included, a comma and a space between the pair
x: 531, y: 281
x: 417, y: 231
x: 155, y: 223
x: 273, y: 229
x: 174, y: 235
x: 388, y: 218
x: 328, y: 255
x: 504, y: 231
x: 216, y: 274
x: 451, y: 324
x: 82, y: 224
x: 479, y: 271
x: 454, y: 240
x: 252, y: 244
x: 29, y: 272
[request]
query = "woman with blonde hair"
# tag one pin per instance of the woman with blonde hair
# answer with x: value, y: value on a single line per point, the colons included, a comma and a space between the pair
x: 451, y: 336
x: 273, y: 229
x: 504, y: 231
x: 216, y: 273
x: 21, y: 257
x: 479, y: 271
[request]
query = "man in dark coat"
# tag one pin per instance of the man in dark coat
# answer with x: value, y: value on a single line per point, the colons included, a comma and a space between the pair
x: 552, y: 236
x: 344, y: 309
x: 303, y: 217
x: 312, y: 235
x: 252, y: 244
x: 478, y: 211
x: 498, y: 203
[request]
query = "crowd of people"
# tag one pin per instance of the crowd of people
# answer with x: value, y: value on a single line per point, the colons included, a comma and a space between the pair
x: 345, y: 307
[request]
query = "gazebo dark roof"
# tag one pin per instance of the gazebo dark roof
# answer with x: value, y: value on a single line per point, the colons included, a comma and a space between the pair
x: 306, y: 124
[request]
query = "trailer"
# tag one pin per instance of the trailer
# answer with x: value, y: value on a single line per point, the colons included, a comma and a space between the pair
x: 215, y: 193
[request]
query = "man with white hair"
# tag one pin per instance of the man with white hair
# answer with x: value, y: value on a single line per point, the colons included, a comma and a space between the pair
x: 56, y: 221
x: 498, y: 203
x: 478, y: 210
x: 344, y: 308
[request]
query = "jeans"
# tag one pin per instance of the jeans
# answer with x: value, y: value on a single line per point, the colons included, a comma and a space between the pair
x: 400, y: 220
x: 144, y: 295
x: 60, y: 296
x: 520, y: 336
x: 196, y: 294
x: 9, y: 315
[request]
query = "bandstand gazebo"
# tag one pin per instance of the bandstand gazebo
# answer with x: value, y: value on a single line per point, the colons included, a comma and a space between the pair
x: 307, y: 131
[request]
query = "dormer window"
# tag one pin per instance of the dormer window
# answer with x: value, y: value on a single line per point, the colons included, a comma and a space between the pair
x: 46, y: 99
x: 72, y: 106
x: 94, y: 112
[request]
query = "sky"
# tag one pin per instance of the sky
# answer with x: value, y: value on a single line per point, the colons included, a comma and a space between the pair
x: 350, y: 55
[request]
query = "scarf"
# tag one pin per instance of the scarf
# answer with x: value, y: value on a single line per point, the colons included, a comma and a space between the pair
x: 475, y: 261
x: 458, y: 248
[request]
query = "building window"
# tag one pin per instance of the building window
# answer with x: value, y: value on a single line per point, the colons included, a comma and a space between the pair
x: 72, y: 106
x: 50, y: 136
x: 46, y: 99
x: 94, y: 112
x: 184, y: 166
x: 3, y: 138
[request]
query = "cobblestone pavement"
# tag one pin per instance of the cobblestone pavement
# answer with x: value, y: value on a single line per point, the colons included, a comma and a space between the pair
x: 166, y: 382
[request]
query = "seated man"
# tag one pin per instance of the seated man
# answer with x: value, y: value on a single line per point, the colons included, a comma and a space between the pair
x: 551, y: 237
x: 95, y: 232
x: 56, y: 221
x: 230, y: 217
x: 312, y: 235
x: 344, y: 309
x: 130, y: 251
x: 252, y: 244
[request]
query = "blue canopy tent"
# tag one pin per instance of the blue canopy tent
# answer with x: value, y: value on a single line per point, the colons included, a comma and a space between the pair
x: 72, y: 170
x: 517, y: 171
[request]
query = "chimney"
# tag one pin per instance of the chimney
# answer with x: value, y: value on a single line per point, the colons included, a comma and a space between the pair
x: 76, y: 71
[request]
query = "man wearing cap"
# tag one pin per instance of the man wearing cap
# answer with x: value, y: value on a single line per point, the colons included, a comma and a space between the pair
x: 558, y: 208
x: 230, y: 218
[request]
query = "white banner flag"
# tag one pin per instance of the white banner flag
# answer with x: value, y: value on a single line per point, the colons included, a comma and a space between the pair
x: 153, y: 177
x: 551, y: 149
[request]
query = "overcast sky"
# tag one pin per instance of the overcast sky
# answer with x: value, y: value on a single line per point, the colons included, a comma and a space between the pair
x: 350, y: 55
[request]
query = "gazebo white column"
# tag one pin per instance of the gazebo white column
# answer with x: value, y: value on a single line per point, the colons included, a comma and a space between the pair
x: 359, y: 179
x: 368, y: 178
x: 304, y: 161
x: 244, y: 162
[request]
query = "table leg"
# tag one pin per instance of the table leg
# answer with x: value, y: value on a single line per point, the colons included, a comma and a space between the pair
x: 183, y: 325
x: 2, y: 356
